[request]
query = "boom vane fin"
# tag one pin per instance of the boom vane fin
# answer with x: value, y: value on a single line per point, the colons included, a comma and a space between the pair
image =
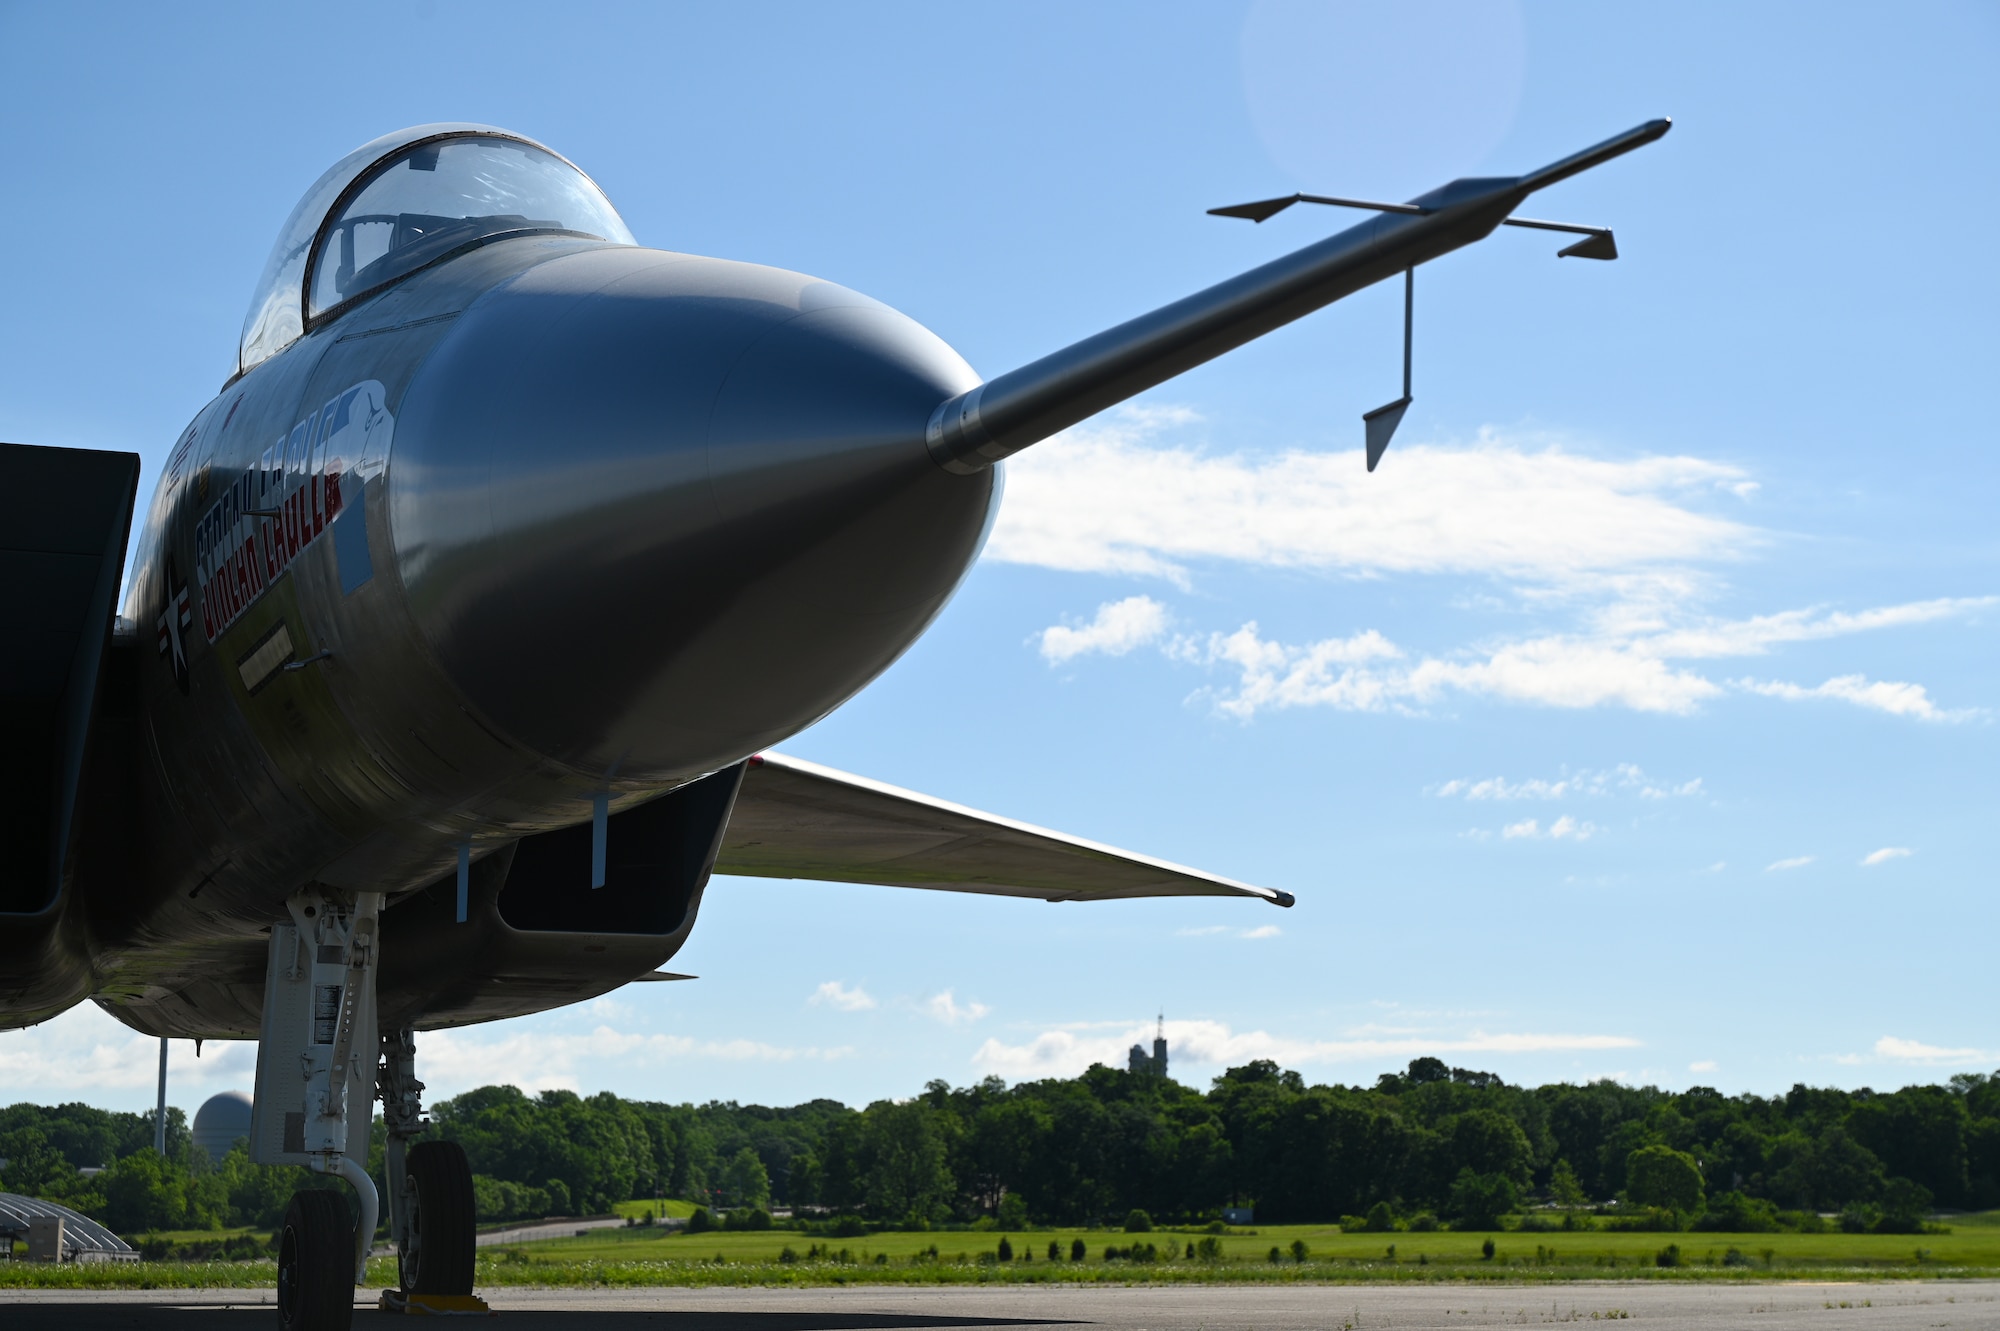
x: 979, y: 427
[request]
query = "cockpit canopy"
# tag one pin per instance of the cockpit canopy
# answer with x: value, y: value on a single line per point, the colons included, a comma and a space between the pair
x: 406, y: 201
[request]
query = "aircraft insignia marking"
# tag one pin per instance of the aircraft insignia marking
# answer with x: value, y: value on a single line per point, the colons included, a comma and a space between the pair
x: 174, y: 622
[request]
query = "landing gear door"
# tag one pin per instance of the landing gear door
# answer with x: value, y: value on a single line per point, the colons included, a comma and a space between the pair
x: 292, y: 1020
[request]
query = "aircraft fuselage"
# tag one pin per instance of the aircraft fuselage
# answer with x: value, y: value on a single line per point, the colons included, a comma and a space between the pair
x: 553, y: 520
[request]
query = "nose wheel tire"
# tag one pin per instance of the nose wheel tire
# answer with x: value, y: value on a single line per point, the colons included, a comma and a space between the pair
x: 316, y: 1263
x: 437, y: 1247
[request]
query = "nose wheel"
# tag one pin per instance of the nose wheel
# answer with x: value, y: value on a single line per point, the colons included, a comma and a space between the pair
x: 437, y: 1249
x: 316, y: 1264
x: 431, y: 1210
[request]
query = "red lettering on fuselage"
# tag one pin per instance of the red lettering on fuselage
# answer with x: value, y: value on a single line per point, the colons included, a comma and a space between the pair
x: 239, y: 552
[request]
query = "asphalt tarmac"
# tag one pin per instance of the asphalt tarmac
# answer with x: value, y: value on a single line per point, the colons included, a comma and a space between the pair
x: 1682, y: 1307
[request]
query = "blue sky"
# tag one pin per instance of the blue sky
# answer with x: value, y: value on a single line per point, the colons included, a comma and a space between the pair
x: 1636, y: 719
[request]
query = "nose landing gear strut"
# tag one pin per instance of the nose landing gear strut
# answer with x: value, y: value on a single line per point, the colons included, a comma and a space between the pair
x: 431, y: 1213
x: 318, y: 1019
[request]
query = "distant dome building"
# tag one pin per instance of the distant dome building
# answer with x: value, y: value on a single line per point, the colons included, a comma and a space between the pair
x: 219, y: 1122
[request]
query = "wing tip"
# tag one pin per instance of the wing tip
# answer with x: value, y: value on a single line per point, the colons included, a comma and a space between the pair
x: 1285, y: 899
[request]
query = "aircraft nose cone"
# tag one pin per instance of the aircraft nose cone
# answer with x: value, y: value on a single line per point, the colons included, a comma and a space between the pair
x: 653, y: 512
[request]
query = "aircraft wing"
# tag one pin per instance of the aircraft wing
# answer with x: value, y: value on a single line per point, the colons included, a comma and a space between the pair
x: 795, y: 819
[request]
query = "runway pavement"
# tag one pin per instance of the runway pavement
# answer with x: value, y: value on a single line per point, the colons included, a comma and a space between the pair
x: 1681, y: 1307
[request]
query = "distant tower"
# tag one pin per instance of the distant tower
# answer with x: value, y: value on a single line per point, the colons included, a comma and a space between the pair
x: 219, y: 1122
x: 1154, y: 1065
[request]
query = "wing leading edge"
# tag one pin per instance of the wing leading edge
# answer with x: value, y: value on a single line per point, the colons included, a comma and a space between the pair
x: 795, y: 819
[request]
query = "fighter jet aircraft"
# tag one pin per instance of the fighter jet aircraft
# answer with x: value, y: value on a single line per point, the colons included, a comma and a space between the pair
x: 462, y: 620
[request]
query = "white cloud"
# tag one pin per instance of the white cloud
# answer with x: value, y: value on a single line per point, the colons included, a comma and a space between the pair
x: 1755, y: 636
x: 1884, y: 855
x: 1262, y: 931
x: 1705, y: 1065
x: 85, y: 1054
x: 455, y: 1060
x: 951, y: 1013
x: 836, y: 995
x: 1103, y: 499
x: 1626, y: 778
x: 1883, y: 695
x: 1065, y: 1052
x: 1119, y: 627
x: 1915, y: 1051
x: 1626, y: 662
x: 1564, y: 828
x: 1795, y: 862
x: 1623, y: 544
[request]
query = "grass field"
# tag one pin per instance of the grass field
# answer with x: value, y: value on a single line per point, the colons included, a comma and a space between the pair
x: 670, y: 1209
x: 1246, y: 1252
x: 641, y: 1256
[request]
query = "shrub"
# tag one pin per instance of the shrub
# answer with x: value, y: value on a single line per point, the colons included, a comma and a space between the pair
x: 1858, y: 1217
x: 754, y: 1218
x: 1013, y: 1211
x: 1486, y: 1251
x: 1735, y: 1257
x: 1423, y: 1222
x: 1300, y: 1251
x: 1644, y: 1220
x: 1276, y: 1256
x: 849, y: 1227
x: 1138, y: 1222
x: 1055, y: 1250
x: 1564, y: 1188
x: 1208, y: 1250
x: 1903, y: 1207
x: 788, y: 1256
x: 1668, y: 1256
x: 701, y: 1221
x: 1077, y: 1252
x: 1734, y: 1213
x: 1663, y: 1177
x: 1381, y: 1218
x: 1006, y: 1251
x: 1479, y: 1200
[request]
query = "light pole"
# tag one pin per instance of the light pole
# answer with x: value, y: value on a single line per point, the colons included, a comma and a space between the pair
x: 160, y: 1115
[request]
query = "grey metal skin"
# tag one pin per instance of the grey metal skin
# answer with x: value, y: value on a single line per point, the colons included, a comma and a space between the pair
x: 644, y: 514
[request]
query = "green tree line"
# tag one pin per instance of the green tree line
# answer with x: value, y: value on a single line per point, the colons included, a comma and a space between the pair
x: 1429, y: 1143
